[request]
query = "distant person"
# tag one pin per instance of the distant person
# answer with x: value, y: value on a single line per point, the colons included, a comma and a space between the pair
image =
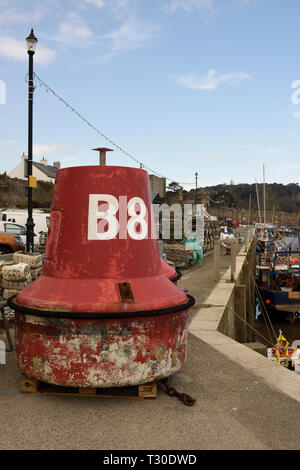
x: 289, y: 282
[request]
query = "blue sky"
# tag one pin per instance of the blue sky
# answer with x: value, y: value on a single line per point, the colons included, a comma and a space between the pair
x: 182, y: 85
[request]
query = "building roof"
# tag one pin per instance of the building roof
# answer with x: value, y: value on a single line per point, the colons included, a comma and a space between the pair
x: 156, y: 198
x: 48, y: 170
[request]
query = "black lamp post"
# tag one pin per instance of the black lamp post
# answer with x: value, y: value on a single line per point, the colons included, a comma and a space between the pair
x: 31, y: 43
x: 196, y: 176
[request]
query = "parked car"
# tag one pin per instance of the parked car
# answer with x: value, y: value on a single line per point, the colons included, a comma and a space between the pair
x: 19, y: 216
x: 17, y: 229
x: 10, y: 243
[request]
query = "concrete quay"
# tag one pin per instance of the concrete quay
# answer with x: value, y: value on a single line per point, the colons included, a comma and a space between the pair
x: 243, y: 401
x: 216, y: 324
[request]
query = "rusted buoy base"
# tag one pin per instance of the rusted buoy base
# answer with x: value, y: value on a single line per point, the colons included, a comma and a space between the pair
x: 101, y: 353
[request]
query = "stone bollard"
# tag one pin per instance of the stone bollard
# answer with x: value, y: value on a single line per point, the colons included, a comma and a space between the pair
x: 217, y: 260
x: 233, y: 260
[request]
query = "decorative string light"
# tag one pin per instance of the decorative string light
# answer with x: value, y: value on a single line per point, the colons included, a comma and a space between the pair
x: 141, y: 164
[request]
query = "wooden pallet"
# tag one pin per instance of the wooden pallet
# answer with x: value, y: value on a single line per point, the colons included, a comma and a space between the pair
x: 32, y: 385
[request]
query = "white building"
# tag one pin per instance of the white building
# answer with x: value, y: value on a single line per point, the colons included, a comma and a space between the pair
x: 42, y: 171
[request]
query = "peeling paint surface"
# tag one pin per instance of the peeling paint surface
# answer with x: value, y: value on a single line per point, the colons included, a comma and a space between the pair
x: 82, y: 274
x: 101, y: 353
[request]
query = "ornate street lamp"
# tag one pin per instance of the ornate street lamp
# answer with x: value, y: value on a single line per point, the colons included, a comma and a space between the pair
x: 196, y: 176
x: 31, y: 43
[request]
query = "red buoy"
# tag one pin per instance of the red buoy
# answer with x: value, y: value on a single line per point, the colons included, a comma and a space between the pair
x: 171, y: 273
x: 102, y: 313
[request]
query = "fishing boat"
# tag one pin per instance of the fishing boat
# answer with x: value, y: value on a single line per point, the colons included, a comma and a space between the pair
x: 285, y: 354
x: 278, y: 273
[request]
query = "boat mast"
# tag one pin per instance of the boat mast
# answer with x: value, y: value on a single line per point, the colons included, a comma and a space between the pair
x: 249, y: 212
x: 258, y: 204
x: 264, y: 194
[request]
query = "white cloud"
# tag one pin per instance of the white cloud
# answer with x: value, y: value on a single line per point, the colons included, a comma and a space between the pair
x: 119, y: 7
x: 40, y: 150
x: 211, y: 81
x: 131, y: 35
x: 74, y: 27
x: 296, y: 114
x: 133, y: 32
x: 206, y: 7
x: 188, y: 5
x: 96, y: 3
x: 11, y: 15
x: 12, y: 48
x: 244, y: 2
x: 78, y: 31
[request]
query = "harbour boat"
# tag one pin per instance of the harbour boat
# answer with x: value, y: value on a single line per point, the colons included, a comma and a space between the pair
x: 284, y: 354
x: 278, y: 273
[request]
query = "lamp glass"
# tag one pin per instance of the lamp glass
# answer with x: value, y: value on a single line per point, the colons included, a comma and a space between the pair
x: 31, y: 41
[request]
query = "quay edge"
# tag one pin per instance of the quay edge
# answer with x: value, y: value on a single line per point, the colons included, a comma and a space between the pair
x: 217, y: 326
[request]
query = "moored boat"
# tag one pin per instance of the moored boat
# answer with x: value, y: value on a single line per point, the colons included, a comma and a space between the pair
x: 284, y: 354
x: 278, y: 275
